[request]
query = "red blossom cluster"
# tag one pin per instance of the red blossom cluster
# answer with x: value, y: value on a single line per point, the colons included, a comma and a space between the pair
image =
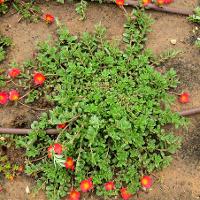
x: 87, y: 184
x: 2, y: 1
x: 13, y: 95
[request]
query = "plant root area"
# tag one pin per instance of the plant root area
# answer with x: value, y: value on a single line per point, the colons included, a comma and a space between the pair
x: 181, y: 180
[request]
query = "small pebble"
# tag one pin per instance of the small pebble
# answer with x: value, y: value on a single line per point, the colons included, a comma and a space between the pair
x: 27, y: 189
x: 173, y: 41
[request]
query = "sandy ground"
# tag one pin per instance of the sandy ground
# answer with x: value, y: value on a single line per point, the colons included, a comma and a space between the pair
x: 181, y: 180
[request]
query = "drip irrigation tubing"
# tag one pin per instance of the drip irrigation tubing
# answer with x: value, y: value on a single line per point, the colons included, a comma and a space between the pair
x: 151, y: 6
x: 22, y: 131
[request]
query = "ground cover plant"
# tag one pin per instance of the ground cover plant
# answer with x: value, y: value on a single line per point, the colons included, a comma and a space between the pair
x: 111, y: 107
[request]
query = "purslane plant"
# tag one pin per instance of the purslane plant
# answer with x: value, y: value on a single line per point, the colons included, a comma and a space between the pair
x: 113, y: 106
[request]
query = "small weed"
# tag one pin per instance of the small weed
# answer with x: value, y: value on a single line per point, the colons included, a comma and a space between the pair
x: 81, y: 9
x: 196, y: 16
x: 4, y: 43
x: 28, y: 11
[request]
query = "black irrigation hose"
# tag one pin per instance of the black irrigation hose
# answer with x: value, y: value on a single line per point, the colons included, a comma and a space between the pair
x: 158, y: 8
x: 190, y: 112
x: 21, y: 131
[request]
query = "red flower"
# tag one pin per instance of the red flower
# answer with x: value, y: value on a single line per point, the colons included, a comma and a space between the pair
x: 124, y: 193
x: 1, y: 1
x: 13, y: 95
x: 3, y: 98
x: 69, y: 164
x: 39, y: 78
x: 86, y: 185
x: 74, y: 195
x: 50, y: 149
x: 120, y: 2
x: 49, y: 18
x: 146, y: 182
x: 1, y: 189
x: 56, y: 148
x: 184, y: 97
x: 14, y: 72
x: 61, y: 126
x: 146, y: 2
x: 168, y: 1
x: 109, y: 186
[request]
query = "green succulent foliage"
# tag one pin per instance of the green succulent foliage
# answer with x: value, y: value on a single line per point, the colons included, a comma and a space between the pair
x: 4, y: 43
x: 115, y: 98
x: 196, y: 16
x: 81, y: 9
x: 28, y: 10
x: 197, y: 43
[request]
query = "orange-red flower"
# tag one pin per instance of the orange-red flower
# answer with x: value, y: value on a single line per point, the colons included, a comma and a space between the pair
x: 56, y: 148
x: 146, y: 2
x: 39, y: 78
x: 74, y: 195
x: 120, y: 2
x: 184, y: 97
x: 49, y: 18
x: 109, y: 185
x: 13, y: 95
x: 3, y: 98
x: 69, y: 164
x: 61, y: 126
x: 146, y: 182
x: 160, y: 2
x: 14, y: 72
x: 86, y: 185
x: 2, y: 1
x: 125, y: 194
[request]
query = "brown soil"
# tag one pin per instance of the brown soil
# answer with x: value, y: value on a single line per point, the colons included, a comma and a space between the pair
x: 181, y: 180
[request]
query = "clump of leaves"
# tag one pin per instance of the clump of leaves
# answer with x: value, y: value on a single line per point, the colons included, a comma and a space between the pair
x: 197, y: 43
x: 165, y: 56
x: 115, y: 98
x: 27, y: 10
x: 4, y: 43
x: 8, y: 169
x: 4, y: 7
x: 81, y: 9
x: 196, y: 16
